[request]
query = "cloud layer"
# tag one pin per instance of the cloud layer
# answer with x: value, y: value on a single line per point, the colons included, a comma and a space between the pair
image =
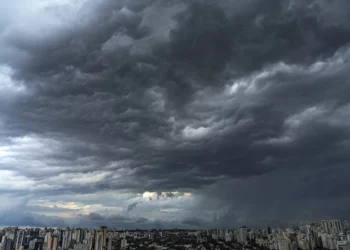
x: 201, y: 113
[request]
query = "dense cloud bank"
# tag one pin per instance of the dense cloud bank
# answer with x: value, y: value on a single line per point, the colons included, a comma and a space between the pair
x: 239, y: 108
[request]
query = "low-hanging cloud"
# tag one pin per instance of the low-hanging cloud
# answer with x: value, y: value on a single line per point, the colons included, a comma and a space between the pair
x: 131, y: 207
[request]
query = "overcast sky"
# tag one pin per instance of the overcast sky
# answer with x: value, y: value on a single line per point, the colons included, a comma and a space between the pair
x: 174, y: 113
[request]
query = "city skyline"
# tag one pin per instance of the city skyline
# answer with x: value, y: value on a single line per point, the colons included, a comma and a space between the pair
x: 325, y: 234
x: 325, y: 224
x: 174, y: 113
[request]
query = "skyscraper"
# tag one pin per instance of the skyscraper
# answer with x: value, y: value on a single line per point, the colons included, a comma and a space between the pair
x: 20, y: 239
x: 55, y: 242
x: 99, y: 241
x: 332, y: 226
x: 242, y: 234
x: 49, y: 243
x: 123, y: 243
x: 52, y: 243
x: 109, y: 239
x: 3, y: 243
x: 104, y: 235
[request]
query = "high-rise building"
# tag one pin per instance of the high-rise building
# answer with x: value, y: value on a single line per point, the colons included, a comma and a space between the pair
x: 52, y: 243
x: 55, y: 242
x: 104, y: 235
x: 76, y: 235
x: 283, y: 244
x: 332, y: 243
x: 242, y: 234
x: 49, y: 243
x: 123, y: 243
x: 36, y: 244
x: 99, y: 241
x: 89, y: 240
x: 109, y: 243
x: 9, y: 244
x: 332, y: 226
x: 343, y: 245
x: 3, y: 243
x: 20, y: 238
x: 325, y: 226
x: 66, y: 239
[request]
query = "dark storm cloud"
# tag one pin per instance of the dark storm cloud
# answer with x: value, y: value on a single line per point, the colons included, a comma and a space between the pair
x: 20, y: 214
x: 141, y: 220
x: 100, y: 217
x: 282, y: 198
x: 31, y: 220
x: 170, y: 194
x: 192, y: 222
x: 95, y: 216
x: 178, y: 95
x: 120, y: 221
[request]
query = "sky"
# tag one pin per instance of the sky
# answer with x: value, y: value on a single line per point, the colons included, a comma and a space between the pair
x: 174, y: 113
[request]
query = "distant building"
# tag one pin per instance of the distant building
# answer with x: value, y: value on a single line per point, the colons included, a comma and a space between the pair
x: 332, y: 226
x: 36, y: 244
x: 52, y: 243
x: 99, y: 241
x: 109, y: 243
x: 284, y: 244
x: 123, y: 243
x: 104, y: 236
x: 343, y: 245
x: 3, y: 243
x: 242, y: 234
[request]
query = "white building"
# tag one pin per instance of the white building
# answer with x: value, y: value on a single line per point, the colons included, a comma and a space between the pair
x: 123, y: 243
x: 98, y: 241
x: 283, y: 244
x: 109, y: 246
x: 332, y: 226
x: 242, y: 234
x: 343, y: 245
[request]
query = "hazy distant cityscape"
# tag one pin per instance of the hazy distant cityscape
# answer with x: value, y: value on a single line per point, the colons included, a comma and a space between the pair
x: 326, y: 234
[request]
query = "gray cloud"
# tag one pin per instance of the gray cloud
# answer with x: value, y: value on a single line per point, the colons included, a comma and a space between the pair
x: 170, y: 194
x: 200, y: 98
x: 192, y: 222
x: 16, y: 212
x: 95, y: 216
x: 131, y: 207
x: 112, y: 217
x: 141, y: 220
